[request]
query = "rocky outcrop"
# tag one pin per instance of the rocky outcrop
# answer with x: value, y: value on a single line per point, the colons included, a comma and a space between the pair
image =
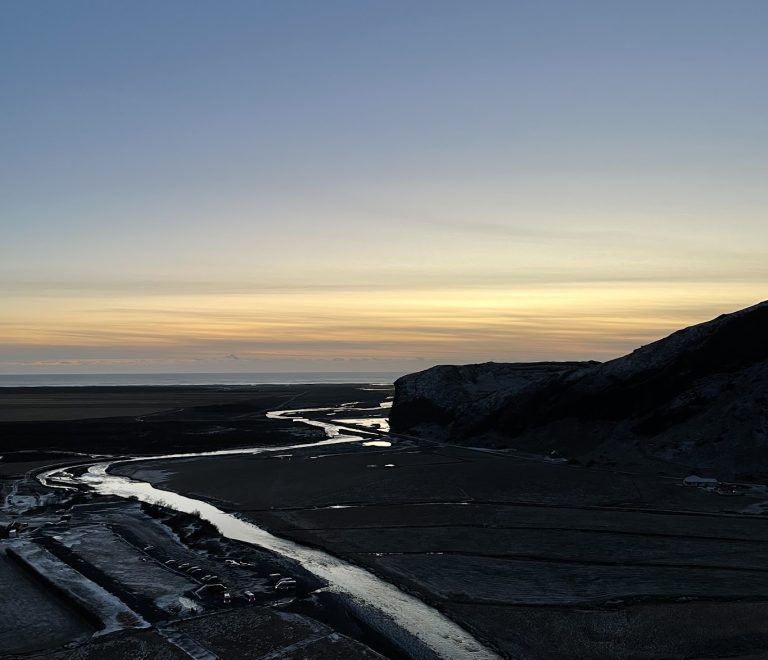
x: 698, y: 398
x: 447, y: 401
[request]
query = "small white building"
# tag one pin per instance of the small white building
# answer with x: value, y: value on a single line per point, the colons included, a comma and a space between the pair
x: 700, y: 482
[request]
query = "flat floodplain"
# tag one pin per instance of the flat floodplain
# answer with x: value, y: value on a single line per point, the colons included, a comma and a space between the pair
x: 156, y: 420
x: 29, y: 404
x: 534, y: 556
x: 540, y: 559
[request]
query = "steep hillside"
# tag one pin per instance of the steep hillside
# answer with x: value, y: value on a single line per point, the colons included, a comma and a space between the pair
x: 697, y: 398
x: 450, y: 401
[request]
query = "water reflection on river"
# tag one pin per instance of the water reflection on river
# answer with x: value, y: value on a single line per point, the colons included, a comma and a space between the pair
x: 419, y: 629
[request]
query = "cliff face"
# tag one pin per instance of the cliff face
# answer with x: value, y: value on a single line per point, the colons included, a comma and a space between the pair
x: 450, y: 401
x: 698, y: 398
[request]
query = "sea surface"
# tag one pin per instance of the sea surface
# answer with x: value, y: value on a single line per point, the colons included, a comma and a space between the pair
x: 266, y: 378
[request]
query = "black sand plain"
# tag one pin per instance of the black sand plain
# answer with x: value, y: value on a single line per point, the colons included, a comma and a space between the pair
x: 116, y: 546
x: 154, y: 420
x: 539, y: 558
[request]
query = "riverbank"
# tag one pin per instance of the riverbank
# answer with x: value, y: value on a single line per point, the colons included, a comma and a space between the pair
x: 540, y: 559
x: 414, y: 629
x: 159, y: 420
x: 535, y: 557
x: 169, y: 568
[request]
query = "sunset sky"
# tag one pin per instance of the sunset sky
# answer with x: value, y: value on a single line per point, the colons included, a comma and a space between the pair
x: 348, y: 185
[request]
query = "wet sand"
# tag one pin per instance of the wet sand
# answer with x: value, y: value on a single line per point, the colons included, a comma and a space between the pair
x: 538, y: 559
x: 30, y: 404
x: 156, y: 420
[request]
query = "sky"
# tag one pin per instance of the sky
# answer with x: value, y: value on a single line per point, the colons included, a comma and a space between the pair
x: 352, y: 185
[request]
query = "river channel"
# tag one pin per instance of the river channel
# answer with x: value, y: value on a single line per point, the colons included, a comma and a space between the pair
x: 420, y: 630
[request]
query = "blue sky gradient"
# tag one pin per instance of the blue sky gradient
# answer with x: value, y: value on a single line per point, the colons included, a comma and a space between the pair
x: 378, y: 184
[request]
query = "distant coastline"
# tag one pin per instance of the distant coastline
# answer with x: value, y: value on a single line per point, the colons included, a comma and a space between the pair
x: 256, y: 378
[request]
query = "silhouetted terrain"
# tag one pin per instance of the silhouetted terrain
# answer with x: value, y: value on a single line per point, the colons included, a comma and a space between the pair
x: 152, y: 420
x: 698, y: 398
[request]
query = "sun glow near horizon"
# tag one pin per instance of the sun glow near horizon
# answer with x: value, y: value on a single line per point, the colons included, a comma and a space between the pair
x: 374, y: 186
x: 350, y: 329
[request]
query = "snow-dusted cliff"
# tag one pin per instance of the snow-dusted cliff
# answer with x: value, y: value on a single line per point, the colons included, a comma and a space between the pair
x: 698, y: 397
x: 447, y: 400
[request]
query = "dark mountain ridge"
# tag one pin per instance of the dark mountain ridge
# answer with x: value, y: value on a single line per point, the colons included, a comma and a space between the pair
x: 698, y: 398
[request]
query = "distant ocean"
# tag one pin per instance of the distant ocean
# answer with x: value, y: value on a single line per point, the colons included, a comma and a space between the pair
x: 69, y: 380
